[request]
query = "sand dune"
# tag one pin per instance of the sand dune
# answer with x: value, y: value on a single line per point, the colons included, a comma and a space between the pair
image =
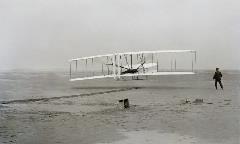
x: 88, y: 112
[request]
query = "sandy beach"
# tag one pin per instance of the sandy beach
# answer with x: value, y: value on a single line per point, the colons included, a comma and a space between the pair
x: 45, y: 108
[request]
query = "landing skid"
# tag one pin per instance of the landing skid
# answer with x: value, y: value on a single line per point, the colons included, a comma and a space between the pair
x: 132, y: 78
x: 137, y: 78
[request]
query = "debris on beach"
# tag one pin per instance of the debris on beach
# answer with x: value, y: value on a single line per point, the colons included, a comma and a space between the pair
x: 227, y: 100
x: 227, y: 103
x: 186, y: 101
x: 198, y: 101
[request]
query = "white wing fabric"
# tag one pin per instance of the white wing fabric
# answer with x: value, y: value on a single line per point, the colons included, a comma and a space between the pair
x: 142, y: 63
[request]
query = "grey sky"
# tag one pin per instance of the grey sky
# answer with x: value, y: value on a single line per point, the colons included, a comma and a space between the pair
x: 44, y: 34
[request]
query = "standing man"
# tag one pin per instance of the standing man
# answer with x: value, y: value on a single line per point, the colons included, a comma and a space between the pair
x: 218, y: 76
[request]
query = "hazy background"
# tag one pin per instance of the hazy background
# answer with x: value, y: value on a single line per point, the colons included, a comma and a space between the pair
x: 44, y: 34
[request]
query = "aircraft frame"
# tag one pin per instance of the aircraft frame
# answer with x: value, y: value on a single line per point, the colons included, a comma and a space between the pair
x: 130, y: 69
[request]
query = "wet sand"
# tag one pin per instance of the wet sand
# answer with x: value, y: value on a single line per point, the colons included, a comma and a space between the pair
x: 88, y: 113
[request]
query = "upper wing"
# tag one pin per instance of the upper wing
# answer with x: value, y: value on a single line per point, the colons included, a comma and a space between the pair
x: 91, y: 57
x: 159, y: 51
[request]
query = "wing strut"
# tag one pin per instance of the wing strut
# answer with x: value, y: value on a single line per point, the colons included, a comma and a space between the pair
x: 192, y: 65
x: 76, y: 65
x: 114, y: 66
x: 107, y: 67
x: 86, y: 66
x: 102, y: 69
x: 152, y: 58
x: 195, y: 56
x: 131, y: 60
x: 118, y: 60
x: 92, y: 70
x: 175, y: 64
x: 126, y: 61
x: 70, y: 74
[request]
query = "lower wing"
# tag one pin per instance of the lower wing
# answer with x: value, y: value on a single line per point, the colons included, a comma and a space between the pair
x: 90, y: 78
x: 135, y: 74
x: 157, y: 73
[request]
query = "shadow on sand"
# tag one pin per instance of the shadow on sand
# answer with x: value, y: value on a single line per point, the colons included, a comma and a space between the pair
x: 138, y: 87
x: 70, y: 96
x: 112, y: 89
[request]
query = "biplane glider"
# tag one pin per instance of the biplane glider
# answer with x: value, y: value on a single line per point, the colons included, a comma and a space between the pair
x: 131, y: 64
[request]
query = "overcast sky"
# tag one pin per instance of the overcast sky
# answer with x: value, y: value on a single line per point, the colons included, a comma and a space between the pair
x: 44, y: 34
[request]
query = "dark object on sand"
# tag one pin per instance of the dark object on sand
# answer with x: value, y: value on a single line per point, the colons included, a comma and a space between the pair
x: 187, y: 101
x: 227, y: 100
x: 198, y: 101
x: 124, y: 103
